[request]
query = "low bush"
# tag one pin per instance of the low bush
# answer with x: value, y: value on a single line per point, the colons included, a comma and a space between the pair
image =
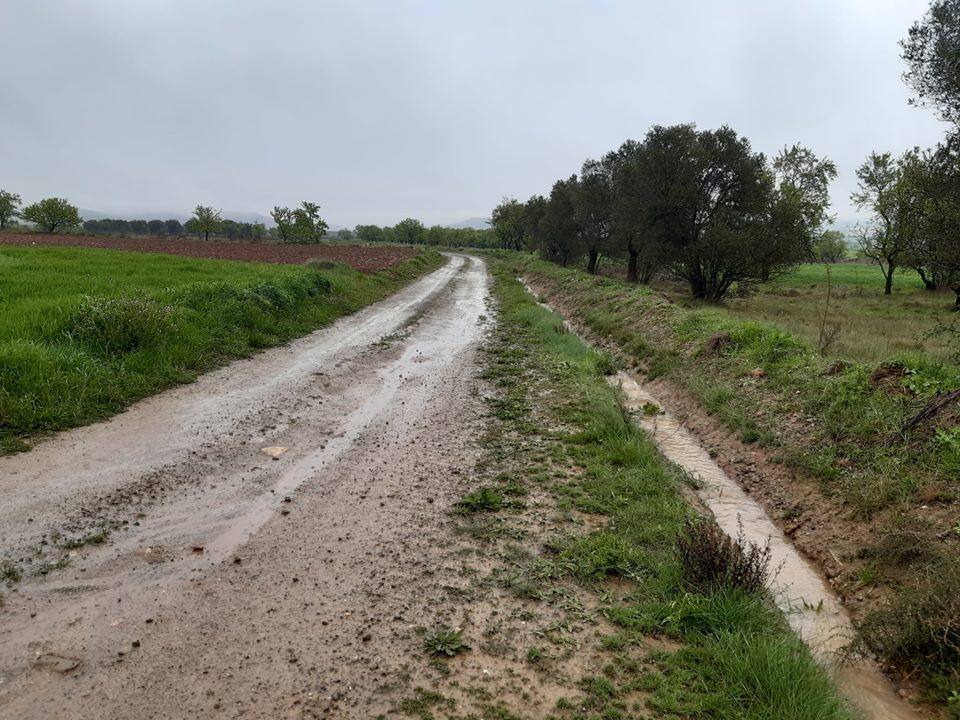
x: 920, y: 629
x: 710, y: 561
x: 115, y: 326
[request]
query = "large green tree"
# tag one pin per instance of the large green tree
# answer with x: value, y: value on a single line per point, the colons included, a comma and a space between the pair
x: 283, y: 219
x: 410, y: 231
x: 932, y: 53
x: 9, y: 207
x: 593, y: 205
x: 830, y: 247
x: 635, y: 225
x: 509, y: 224
x: 52, y: 214
x: 798, y: 207
x: 205, y: 220
x: 931, y: 180
x: 893, y: 206
x: 369, y: 233
x: 308, y: 226
x: 724, y: 217
x: 559, y: 231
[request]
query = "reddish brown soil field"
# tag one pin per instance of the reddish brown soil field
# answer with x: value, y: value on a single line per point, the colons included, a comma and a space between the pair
x: 360, y: 257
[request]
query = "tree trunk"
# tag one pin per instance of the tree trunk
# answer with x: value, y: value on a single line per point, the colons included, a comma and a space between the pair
x: 646, y: 274
x: 592, y: 262
x: 928, y: 283
x: 888, y: 287
x: 632, y: 263
x: 956, y: 305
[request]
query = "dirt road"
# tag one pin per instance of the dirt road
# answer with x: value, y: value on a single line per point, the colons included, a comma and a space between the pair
x: 230, y: 583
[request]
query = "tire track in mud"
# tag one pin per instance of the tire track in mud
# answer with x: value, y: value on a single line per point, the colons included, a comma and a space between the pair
x: 227, y: 571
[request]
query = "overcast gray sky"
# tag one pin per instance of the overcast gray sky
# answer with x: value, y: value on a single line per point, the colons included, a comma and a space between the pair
x: 382, y: 110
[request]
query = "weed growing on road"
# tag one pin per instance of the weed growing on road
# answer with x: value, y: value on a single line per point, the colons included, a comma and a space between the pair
x: 444, y: 641
x: 9, y: 573
x: 479, y: 500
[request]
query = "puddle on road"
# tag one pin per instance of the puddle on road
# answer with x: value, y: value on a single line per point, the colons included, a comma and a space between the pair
x: 809, y: 604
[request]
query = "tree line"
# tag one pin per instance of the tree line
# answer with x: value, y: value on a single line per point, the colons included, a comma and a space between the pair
x: 303, y: 224
x: 699, y: 206
x: 231, y: 229
x: 413, y: 232
x: 702, y: 207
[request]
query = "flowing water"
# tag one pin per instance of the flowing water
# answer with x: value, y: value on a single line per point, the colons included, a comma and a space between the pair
x: 810, y: 606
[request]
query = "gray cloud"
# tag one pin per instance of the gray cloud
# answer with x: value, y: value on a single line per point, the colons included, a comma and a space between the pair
x: 431, y: 109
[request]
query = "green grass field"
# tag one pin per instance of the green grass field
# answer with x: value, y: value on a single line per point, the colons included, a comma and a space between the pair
x: 85, y: 332
x: 866, y: 324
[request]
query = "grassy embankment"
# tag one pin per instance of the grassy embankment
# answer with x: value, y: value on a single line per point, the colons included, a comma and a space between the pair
x: 898, y: 495
x: 560, y: 449
x: 85, y: 332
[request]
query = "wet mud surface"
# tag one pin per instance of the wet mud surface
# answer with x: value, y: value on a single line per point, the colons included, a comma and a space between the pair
x: 172, y: 568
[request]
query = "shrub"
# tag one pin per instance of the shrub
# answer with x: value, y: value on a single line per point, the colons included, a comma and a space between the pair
x: 323, y: 264
x: 115, y: 326
x: 920, y: 629
x: 709, y: 560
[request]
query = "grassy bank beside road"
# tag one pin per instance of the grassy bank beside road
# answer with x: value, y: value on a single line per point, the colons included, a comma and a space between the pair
x: 878, y: 507
x: 578, y: 516
x: 85, y: 332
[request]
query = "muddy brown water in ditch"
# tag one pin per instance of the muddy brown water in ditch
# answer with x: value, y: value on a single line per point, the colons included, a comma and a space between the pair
x: 811, y: 609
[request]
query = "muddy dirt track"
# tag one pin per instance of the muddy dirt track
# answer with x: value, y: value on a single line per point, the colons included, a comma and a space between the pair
x: 360, y: 257
x: 233, y: 584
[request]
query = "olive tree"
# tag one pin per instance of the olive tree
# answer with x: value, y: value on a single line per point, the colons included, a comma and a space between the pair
x: 593, y: 203
x: 931, y: 180
x: 893, y: 205
x: 726, y: 216
x: 9, y: 207
x: 52, y: 214
x: 560, y: 233
x: 932, y: 53
x: 205, y: 220
x: 308, y: 226
x: 509, y: 224
x: 635, y: 223
x: 830, y: 247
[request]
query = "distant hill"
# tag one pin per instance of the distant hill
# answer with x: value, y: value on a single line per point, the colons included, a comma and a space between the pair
x: 476, y: 223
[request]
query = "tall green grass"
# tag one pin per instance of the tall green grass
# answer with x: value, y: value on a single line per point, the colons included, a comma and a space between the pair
x: 84, y: 332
